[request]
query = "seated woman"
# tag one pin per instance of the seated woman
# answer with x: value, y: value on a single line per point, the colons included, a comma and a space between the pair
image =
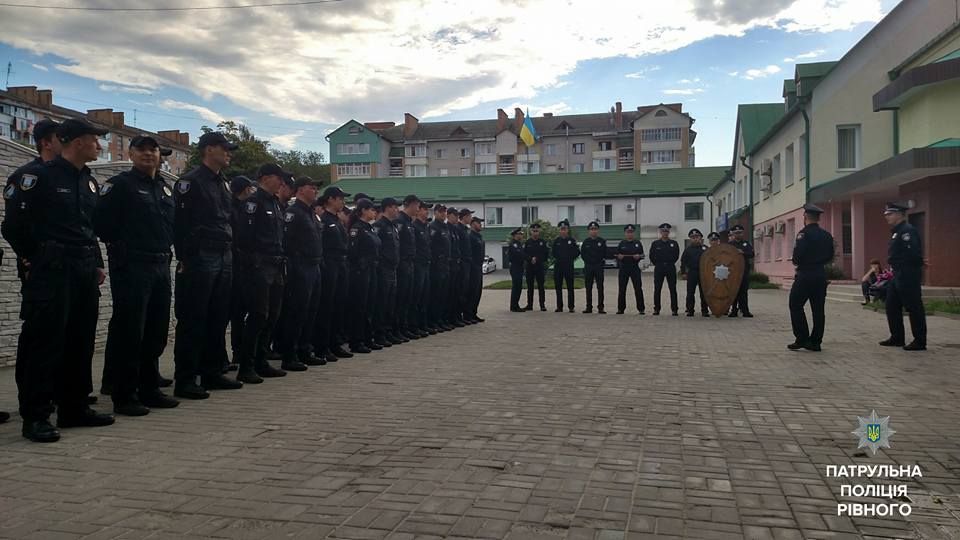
x: 873, y: 283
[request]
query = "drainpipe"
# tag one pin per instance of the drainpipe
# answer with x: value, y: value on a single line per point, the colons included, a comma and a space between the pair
x: 806, y: 144
x: 743, y: 161
x: 896, y: 130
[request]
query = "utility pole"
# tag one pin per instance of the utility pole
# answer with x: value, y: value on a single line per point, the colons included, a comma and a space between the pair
x: 9, y: 72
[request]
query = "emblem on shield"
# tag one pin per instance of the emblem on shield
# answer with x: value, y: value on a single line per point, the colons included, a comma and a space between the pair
x: 721, y: 271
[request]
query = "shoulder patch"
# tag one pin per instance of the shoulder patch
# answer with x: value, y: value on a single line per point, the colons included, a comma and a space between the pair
x: 800, y: 236
x: 183, y: 186
x: 92, y: 184
x: 104, y: 189
x: 250, y: 207
x: 288, y: 217
x: 9, y: 191
x: 894, y: 237
x: 27, y: 181
x: 167, y: 191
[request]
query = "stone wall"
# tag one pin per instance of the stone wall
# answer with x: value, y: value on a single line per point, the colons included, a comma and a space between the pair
x: 12, y: 156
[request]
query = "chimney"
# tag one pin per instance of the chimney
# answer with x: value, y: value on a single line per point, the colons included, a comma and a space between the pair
x: 618, y: 116
x: 117, y: 120
x: 517, y: 118
x: 379, y: 126
x: 185, y: 139
x: 102, y: 116
x: 45, y: 98
x: 410, y: 125
x: 548, y: 115
x: 25, y: 93
x: 170, y: 134
x: 502, y: 120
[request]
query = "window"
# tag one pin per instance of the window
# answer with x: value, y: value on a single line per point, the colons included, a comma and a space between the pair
x: 416, y: 150
x: 775, y: 175
x: 550, y: 149
x: 777, y: 246
x: 606, y: 145
x: 464, y: 171
x: 848, y: 147
x: 577, y: 148
x: 661, y: 113
x: 803, y: 159
x: 464, y: 152
x: 441, y: 153
x: 565, y: 213
x: 484, y: 149
x: 354, y: 130
x: 693, y: 211
x: 444, y: 172
x: 788, y: 167
x: 353, y: 149
x: 486, y: 169
x: 738, y: 193
x: 578, y: 167
x: 551, y: 168
x: 847, y: 231
x: 661, y: 134
x: 791, y: 236
x: 529, y: 214
x: 353, y: 169
x: 603, y: 213
x: 604, y: 164
x: 415, y: 170
x: 529, y: 167
x: 493, y: 216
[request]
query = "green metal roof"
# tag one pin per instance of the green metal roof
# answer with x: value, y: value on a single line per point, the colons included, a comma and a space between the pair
x: 814, y: 69
x: 952, y: 56
x: 946, y: 143
x: 656, y: 183
x: 756, y: 119
x: 789, y: 86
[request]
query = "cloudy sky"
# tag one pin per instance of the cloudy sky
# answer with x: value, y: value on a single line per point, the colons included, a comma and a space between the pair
x: 293, y: 73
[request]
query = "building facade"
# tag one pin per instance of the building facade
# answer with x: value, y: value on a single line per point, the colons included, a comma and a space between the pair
x: 653, y: 137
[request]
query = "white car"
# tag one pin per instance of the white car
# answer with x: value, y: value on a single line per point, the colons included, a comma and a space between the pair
x: 489, y: 265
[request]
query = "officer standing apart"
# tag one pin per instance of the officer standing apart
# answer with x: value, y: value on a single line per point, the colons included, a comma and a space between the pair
x: 516, y: 256
x: 48, y: 225
x: 629, y: 255
x: 439, y: 268
x: 593, y: 251
x: 565, y: 252
x: 744, y: 247
x: 690, y: 267
x: 261, y: 266
x: 905, y: 255
x: 476, y: 270
x: 303, y: 240
x: 664, y: 254
x: 405, y: 271
x: 812, y: 250
x: 335, y: 247
x: 386, y: 301
x: 537, y: 252
x: 134, y: 217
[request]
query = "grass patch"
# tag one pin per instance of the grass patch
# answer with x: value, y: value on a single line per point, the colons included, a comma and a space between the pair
x: 761, y: 285
x: 933, y: 306
x: 547, y: 284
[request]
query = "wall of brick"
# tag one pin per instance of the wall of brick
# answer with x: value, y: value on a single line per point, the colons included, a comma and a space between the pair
x: 12, y: 156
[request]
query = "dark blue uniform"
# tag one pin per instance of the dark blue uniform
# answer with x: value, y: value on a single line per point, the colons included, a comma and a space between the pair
x: 812, y: 250
x: 629, y: 271
x: 421, y: 278
x: 386, y: 301
x: 690, y: 265
x: 565, y: 252
x: 466, y: 263
x: 664, y: 255
x: 363, y: 253
x: 537, y: 253
x: 742, y: 303
x: 439, y: 271
x: 332, y: 285
x: 303, y: 246
x: 453, y: 315
x: 405, y: 275
x: 593, y: 251
x: 516, y: 256
x: 905, y: 256
x: 476, y: 275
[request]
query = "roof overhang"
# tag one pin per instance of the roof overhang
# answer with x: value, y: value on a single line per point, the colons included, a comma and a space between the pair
x: 912, y: 81
x: 901, y: 169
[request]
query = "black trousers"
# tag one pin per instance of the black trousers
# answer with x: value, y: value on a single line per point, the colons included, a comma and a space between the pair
x: 362, y: 278
x: 238, y: 316
x: 693, y: 285
x: 203, y: 285
x: 301, y: 302
x: 465, y: 292
x: 904, y: 293
x: 59, y: 309
x: 536, y: 273
x: 476, y: 290
x: 330, y: 309
x: 453, y: 297
x: 139, y: 327
x: 629, y: 273
x: 808, y: 287
x: 670, y: 274
x: 743, y: 302
x: 563, y: 273
x: 516, y: 285
x: 865, y: 290
x: 421, y: 294
x: 405, y: 279
x: 593, y: 273
x: 439, y: 291
x: 385, y: 302
x: 263, y: 283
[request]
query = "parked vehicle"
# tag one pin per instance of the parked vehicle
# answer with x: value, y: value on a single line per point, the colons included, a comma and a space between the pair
x: 489, y: 265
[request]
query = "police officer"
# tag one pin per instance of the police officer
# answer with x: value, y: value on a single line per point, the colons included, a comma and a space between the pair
x: 812, y: 249
x: 261, y: 266
x: 744, y: 247
x: 565, y: 252
x: 421, y: 272
x: 373, y: 294
x: 47, y: 223
x: 664, y: 254
x: 466, y: 263
x: 593, y: 251
x: 537, y: 252
x: 905, y: 255
x: 242, y: 189
x: 386, y: 300
x: 453, y: 225
x: 364, y: 249
x: 284, y: 197
x: 303, y: 242
x: 714, y: 239
x: 405, y: 269
x: 690, y: 267
x: 476, y: 270
x: 629, y: 255
x: 439, y: 268
x: 334, y: 278
x: 134, y: 217
x: 516, y: 256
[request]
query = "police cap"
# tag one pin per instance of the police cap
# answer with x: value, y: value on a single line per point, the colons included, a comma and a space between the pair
x: 713, y: 236
x: 143, y: 140
x: 564, y: 224
x: 476, y: 219
x: 535, y: 226
x: 271, y: 169
x: 452, y: 210
x: 518, y: 230
x: 388, y: 201
x: 439, y: 207
x: 363, y: 204
x: 43, y: 129
x: 665, y: 227
x: 893, y: 207
x: 334, y: 192
x: 72, y: 128
x: 305, y: 181
x: 410, y: 199
x: 812, y: 209
x: 362, y: 195
x: 215, y: 138
x: 464, y: 212
x: 240, y: 183
x: 629, y: 228
x: 737, y: 228
x: 593, y: 225
x: 694, y: 232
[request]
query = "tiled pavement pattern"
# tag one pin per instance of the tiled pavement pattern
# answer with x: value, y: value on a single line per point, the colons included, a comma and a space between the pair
x: 533, y: 426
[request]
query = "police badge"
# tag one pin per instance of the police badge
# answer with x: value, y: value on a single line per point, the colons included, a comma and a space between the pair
x: 183, y: 186
x: 250, y: 207
x: 167, y: 191
x: 906, y: 237
x: 288, y: 217
x: 104, y: 189
x: 27, y: 181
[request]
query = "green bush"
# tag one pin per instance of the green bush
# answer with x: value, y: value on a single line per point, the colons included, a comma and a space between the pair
x: 759, y: 277
x: 938, y: 305
x: 547, y: 284
x: 834, y: 272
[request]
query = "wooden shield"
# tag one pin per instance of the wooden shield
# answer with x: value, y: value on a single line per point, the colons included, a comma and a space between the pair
x: 721, y: 271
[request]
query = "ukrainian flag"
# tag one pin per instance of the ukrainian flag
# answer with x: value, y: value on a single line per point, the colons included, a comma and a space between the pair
x: 528, y: 134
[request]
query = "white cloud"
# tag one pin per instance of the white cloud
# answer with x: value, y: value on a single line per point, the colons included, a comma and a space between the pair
x: 759, y: 73
x: 689, y: 81
x: 203, y: 112
x: 683, y: 91
x: 733, y: 73
x: 40, y: 67
x: 805, y: 56
x: 538, y: 110
x: 375, y: 59
x: 287, y: 141
x: 124, y: 89
x: 642, y: 72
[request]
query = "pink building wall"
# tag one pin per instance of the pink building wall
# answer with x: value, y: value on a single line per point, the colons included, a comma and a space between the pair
x: 774, y: 252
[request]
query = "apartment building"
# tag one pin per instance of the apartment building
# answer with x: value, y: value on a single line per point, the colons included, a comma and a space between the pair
x: 23, y: 106
x: 651, y: 137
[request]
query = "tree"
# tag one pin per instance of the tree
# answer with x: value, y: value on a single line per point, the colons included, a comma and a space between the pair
x: 304, y: 162
x: 251, y: 154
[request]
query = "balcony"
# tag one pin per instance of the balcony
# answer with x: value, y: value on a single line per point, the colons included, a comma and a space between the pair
x: 604, y: 154
x: 396, y: 171
x: 625, y: 163
x: 507, y: 168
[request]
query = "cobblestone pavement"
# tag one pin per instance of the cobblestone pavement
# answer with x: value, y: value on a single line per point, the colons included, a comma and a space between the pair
x: 534, y: 425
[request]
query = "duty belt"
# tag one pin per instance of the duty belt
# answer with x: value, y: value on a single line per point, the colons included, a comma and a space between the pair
x: 69, y: 250
x: 334, y: 257
x: 147, y: 256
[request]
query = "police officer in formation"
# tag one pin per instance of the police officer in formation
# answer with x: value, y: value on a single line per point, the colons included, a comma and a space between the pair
x: 714, y: 239
x: 664, y: 253
x: 386, y: 299
x: 242, y: 188
x: 471, y: 314
x: 812, y: 250
x: 565, y: 252
x: 466, y: 263
x: 905, y: 256
x: 421, y: 274
x: 334, y: 278
x: 690, y: 267
x: 363, y: 252
x: 593, y: 251
x: 629, y: 255
x: 439, y: 268
x: 536, y: 252
x: 456, y: 257
x: 516, y: 256
x: 405, y: 269
x: 741, y: 305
